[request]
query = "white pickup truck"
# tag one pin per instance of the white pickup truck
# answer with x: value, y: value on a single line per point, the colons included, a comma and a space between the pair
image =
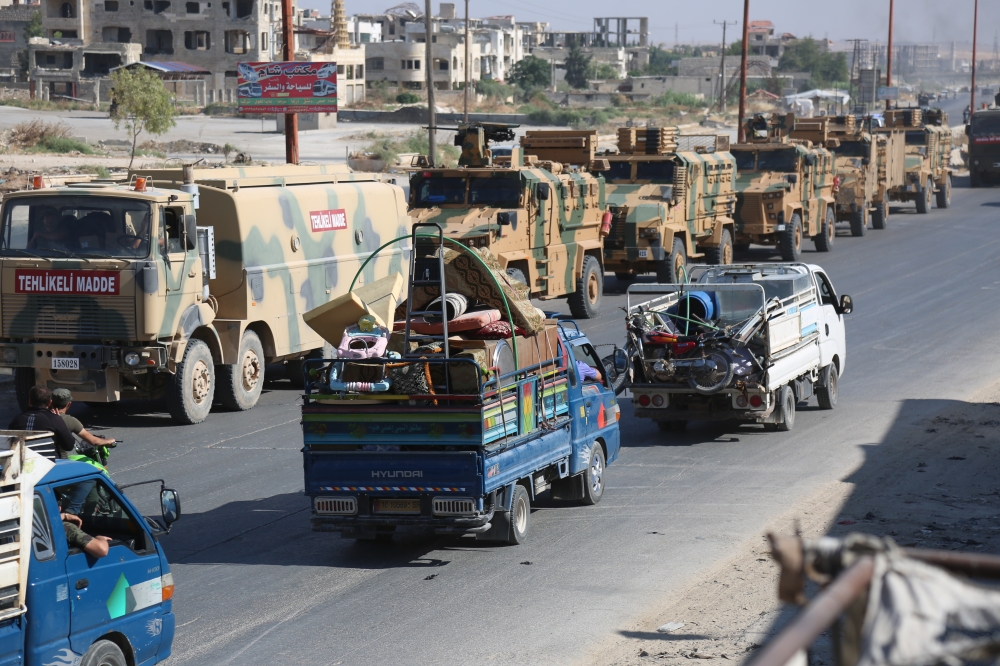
x: 745, y: 342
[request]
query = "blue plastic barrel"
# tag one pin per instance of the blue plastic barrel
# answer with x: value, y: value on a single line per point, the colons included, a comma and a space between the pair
x: 702, y: 307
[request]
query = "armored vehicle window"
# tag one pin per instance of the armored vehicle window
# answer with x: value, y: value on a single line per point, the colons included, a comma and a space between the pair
x: 59, y: 226
x: 658, y: 172
x: 777, y: 160
x: 435, y: 191
x: 916, y: 138
x: 852, y: 149
x: 745, y: 160
x: 985, y: 125
x: 503, y: 192
x: 619, y: 171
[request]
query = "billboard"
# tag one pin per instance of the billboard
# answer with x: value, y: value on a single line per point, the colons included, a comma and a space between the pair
x: 887, y: 93
x: 287, y: 87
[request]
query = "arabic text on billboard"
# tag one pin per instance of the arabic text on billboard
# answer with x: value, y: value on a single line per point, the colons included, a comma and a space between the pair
x: 287, y: 87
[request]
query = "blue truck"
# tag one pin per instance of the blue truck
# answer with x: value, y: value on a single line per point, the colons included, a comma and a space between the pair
x: 60, y: 605
x: 471, y: 460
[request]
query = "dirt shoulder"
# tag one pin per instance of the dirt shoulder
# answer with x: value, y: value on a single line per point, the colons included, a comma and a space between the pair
x: 931, y: 483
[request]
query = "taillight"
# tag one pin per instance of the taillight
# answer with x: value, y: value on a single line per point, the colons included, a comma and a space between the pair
x: 741, y: 401
x: 643, y: 400
x: 657, y: 401
x: 167, y: 586
x: 755, y: 401
x: 683, y: 347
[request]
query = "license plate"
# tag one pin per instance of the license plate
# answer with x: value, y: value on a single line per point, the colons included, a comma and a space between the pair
x: 65, y: 363
x: 781, y: 227
x: 643, y: 254
x: 397, y: 506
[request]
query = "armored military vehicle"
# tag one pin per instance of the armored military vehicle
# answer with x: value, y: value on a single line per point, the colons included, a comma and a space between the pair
x: 928, y: 153
x: 784, y: 189
x: 539, y: 210
x: 183, y: 283
x: 669, y: 202
x: 867, y: 166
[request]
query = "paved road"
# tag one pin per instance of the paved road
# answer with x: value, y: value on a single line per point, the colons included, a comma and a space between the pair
x: 255, y: 586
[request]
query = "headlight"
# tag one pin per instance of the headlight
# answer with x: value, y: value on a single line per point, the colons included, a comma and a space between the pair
x: 132, y: 359
x: 10, y: 355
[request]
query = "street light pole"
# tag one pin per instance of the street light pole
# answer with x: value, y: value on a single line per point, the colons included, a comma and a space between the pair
x: 888, y: 58
x: 465, y: 112
x: 975, y: 31
x: 740, y: 132
x: 288, y: 53
x: 722, y: 82
x: 429, y: 67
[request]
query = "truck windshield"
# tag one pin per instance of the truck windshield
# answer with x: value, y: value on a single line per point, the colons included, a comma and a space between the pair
x: 916, y: 138
x: 745, y: 159
x: 852, y: 149
x: 495, y: 191
x: 986, y: 125
x: 61, y: 226
x: 658, y: 172
x: 436, y: 191
x: 619, y: 171
x: 777, y: 160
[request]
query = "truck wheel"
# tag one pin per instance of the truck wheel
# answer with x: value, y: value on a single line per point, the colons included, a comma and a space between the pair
x: 673, y: 268
x: 924, y: 202
x: 520, y: 516
x: 585, y: 302
x: 826, y: 394
x: 722, y: 255
x: 24, y: 379
x: 593, y: 478
x: 786, y: 402
x: 944, y: 193
x: 240, y: 383
x: 827, y: 232
x: 859, y: 221
x: 192, y: 388
x: 741, y: 247
x: 880, y: 216
x: 790, y: 240
x: 104, y: 653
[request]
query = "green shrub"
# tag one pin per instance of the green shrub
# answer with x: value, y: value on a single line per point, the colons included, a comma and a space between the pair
x: 55, y: 144
x: 674, y: 98
x: 217, y: 109
x: 494, y: 90
x: 407, y: 98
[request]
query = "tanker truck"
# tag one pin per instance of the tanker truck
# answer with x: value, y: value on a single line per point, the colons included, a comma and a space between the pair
x: 182, y: 284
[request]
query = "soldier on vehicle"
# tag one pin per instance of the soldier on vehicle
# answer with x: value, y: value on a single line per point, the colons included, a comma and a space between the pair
x: 40, y: 417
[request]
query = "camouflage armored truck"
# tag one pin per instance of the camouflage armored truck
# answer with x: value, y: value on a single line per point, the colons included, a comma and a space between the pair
x: 928, y: 154
x: 669, y: 203
x: 867, y: 167
x: 785, y: 189
x: 183, y: 283
x: 540, y: 218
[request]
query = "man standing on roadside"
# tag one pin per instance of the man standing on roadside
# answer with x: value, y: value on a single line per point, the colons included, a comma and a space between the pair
x: 40, y: 417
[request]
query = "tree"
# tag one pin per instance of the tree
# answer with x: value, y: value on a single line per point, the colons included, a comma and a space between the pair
x: 34, y: 27
x: 735, y: 48
x: 531, y: 72
x: 601, y: 70
x: 140, y: 103
x: 805, y: 55
x: 577, y: 66
x: 661, y: 62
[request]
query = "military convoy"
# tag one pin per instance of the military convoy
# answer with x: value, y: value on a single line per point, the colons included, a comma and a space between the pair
x: 928, y: 154
x: 785, y: 189
x: 183, y: 283
x: 867, y: 166
x: 539, y: 216
x: 668, y: 202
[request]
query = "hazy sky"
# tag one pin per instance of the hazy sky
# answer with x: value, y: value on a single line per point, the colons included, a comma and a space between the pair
x: 916, y: 20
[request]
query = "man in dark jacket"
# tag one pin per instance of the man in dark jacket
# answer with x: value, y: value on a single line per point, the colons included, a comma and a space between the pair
x: 40, y: 417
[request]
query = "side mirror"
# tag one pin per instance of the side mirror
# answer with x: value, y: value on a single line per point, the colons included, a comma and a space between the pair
x: 846, y: 304
x: 792, y: 178
x: 865, y: 161
x: 505, y: 218
x: 542, y: 191
x: 170, y: 506
x: 621, y: 361
x: 190, y: 232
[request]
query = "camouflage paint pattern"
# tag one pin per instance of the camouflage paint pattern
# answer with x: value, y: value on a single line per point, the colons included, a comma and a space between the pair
x: 272, y: 264
x: 694, y: 204
x: 929, y: 161
x: 547, y: 239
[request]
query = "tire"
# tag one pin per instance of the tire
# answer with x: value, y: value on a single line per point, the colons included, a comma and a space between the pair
x: 192, y: 388
x: 718, y: 380
x: 827, y: 232
x: 880, y: 216
x: 859, y: 221
x: 790, y: 240
x: 673, y: 268
x: 826, y: 394
x: 585, y: 302
x: 944, y: 193
x: 104, y: 653
x: 24, y: 379
x: 593, y: 478
x: 517, y: 274
x: 520, y: 516
x: 924, y: 202
x: 786, y: 402
x: 240, y: 383
x: 722, y: 255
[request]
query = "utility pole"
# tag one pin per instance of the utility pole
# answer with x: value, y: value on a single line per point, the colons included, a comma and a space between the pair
x: 722, y: 67
x: 975, y: 31
x: 677, y: 35
x: 429, y: 66
x: 465, y: 111
x: 740, y: 131
x: 888, y: 58
x: 288, y: 54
